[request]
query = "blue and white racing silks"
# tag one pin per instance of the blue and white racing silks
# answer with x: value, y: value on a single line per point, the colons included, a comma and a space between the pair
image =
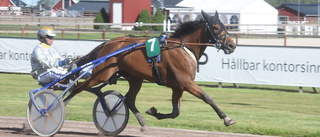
x: 45, y: 59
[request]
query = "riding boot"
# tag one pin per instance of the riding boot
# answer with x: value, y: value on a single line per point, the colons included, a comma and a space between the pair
x: 72, y: 77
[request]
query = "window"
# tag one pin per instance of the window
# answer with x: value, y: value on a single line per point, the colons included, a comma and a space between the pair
x: 175, y: 18
x: 223, y: 19
x: 199, y: 17
x: 234, y: 20
x: 186, y: 18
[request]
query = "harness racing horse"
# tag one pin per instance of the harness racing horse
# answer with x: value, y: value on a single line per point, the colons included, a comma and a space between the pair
x: 177, y: 67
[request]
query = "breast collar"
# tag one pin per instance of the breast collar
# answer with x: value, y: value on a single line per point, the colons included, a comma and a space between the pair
x: 191, y: 54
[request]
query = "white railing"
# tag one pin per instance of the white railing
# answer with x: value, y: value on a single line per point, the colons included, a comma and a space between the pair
x: 61, y: 13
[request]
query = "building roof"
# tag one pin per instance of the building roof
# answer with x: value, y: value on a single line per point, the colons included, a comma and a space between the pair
x: 166, y: 3
x: 66, y: 5
x: 90, y: 6
x: 229, y: 6
x: 171, y: 3
x: 306, y: 9
x: 10, y: 1
x: 19, y: 3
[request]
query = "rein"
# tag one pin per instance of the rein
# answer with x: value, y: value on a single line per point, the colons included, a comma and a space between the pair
x: 192, y: 44
x: 171, y: 41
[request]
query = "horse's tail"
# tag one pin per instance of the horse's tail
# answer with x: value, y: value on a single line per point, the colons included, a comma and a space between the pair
x: 92, y: 55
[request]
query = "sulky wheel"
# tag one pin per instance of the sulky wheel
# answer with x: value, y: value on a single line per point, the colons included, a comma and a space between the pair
x: 117, y: 121
x: 52, y: 121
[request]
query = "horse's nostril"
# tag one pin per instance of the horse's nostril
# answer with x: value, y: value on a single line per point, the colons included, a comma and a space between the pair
x: 232, y: 46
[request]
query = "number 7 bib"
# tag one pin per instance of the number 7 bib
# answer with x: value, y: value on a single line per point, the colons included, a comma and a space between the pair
x: 153, y: 47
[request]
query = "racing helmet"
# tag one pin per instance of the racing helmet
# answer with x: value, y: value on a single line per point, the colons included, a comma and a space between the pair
x: 45, y: 32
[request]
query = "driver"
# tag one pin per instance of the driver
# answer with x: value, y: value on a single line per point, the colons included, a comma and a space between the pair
x: 46, y: 62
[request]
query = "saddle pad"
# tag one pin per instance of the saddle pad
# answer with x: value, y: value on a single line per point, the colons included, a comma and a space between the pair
x: 152, y: 47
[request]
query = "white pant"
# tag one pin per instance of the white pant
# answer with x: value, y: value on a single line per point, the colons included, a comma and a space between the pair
x: 51, y: 75
x: 88, y: 74
x: 54, y: 73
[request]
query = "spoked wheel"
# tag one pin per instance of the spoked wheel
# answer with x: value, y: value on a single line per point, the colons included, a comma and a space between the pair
x: 118, y: 119
x: 52, y: 121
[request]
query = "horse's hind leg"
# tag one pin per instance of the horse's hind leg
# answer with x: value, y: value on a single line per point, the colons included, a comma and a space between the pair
x: 176, y: 101
x: 195, y: 90
x: 135, y: 85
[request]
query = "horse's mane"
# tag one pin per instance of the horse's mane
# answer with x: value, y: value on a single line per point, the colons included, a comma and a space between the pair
x: 187, y: 28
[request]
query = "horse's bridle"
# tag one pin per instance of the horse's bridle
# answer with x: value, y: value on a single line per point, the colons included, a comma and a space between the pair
x: 215, y: 37
x: 211, y: 37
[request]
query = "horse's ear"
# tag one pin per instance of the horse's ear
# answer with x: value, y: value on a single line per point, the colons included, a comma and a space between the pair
x: 206, y: 16
x: 217, y: 15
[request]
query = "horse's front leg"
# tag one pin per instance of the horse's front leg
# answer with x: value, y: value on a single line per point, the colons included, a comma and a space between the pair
x: 135, y: 85
x: 195, y: 90
x: 176, y: 101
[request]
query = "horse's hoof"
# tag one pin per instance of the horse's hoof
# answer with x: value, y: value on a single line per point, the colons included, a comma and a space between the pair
x: 143, y: 129
x: 152, y: 111
x: 228, y: 121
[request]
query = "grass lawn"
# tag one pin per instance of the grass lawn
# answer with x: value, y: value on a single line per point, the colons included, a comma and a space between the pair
x: 258, y: 109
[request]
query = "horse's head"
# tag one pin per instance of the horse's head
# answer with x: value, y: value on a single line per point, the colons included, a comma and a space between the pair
x: 217, y: 33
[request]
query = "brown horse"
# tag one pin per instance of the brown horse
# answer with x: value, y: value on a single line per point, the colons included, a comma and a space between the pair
x: 177, y: 67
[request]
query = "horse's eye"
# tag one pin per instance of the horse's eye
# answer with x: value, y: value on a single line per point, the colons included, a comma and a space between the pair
x: 215, y: 28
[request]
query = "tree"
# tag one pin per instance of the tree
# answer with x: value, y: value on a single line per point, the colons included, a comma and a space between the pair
x: 102, y: 17
x: 144, y: 17
x: 105, y: 15
x: 158, y: 18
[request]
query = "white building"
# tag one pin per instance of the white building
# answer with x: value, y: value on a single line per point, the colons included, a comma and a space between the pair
x: 260, y: 15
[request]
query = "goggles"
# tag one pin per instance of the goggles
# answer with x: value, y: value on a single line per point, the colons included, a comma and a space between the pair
x: 50, y: 37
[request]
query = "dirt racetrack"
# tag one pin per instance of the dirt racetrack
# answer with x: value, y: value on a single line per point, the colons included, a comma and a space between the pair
x: 13, y: 127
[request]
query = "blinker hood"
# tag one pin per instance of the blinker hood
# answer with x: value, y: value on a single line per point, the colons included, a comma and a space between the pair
x: 213, y: 20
